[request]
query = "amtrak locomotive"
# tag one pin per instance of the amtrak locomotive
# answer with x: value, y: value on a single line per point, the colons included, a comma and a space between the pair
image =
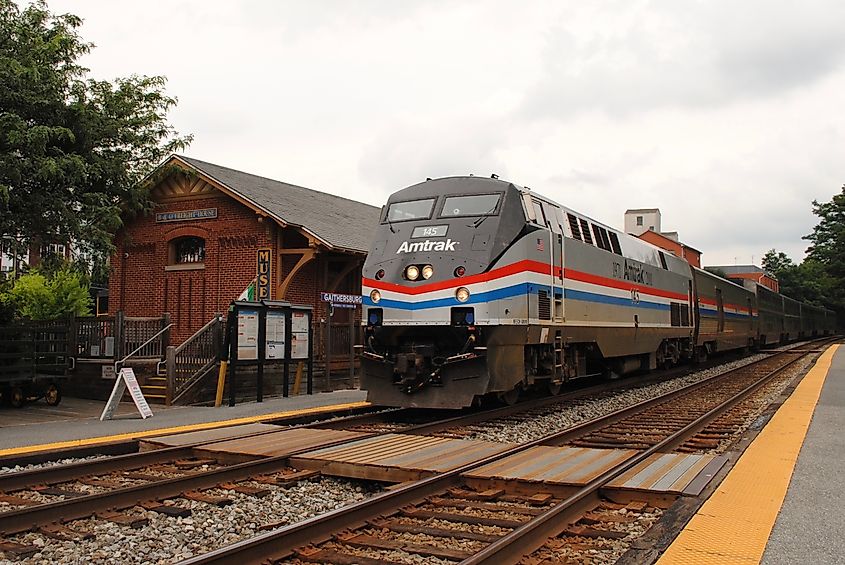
x: 477, y: 287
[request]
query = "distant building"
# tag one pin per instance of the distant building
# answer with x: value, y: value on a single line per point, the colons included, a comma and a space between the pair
x: 645, y: 224
x: 641, y: 220
x: 748, y: 272
x: 673, y: 246
x: 16, y: 256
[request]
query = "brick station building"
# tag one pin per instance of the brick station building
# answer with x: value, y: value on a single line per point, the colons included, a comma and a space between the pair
x: 197, y: 250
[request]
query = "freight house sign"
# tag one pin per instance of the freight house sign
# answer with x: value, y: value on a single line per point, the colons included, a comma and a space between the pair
x: 204, y: 214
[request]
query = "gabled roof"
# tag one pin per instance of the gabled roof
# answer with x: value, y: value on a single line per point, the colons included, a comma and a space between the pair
x: 337, y: 222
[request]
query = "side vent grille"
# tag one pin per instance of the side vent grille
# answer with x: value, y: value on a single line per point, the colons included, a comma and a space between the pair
x: 544, y: 305
x: 685, y: 315
x: 585, y: 229
x: 675, y: 313
x: 573, y: 225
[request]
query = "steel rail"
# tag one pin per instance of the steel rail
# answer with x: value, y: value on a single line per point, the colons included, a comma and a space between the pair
x: 24, y: 519
x: 279, y: 543
x: 533, y: 534
x: 125, y: 462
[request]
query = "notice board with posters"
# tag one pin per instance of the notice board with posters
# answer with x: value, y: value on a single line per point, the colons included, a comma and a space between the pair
x: 275, y: 335
x: 247, y: 330
x: 299, y: 326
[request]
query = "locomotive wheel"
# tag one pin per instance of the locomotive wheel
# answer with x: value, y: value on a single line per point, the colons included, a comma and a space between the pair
x: 16, y: 397
x: 53, y: 395
x: 554, y: 388
x: 510, y: 397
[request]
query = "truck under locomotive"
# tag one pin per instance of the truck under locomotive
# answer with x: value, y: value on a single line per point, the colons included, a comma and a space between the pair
x: 478, y: 287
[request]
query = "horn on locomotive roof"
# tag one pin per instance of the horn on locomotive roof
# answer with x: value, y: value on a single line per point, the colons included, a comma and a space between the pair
x: 494, y: 176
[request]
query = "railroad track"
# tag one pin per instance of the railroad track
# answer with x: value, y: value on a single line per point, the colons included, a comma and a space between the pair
x: 115, y: 488
x: 159, y: 472
x: 432, y: 517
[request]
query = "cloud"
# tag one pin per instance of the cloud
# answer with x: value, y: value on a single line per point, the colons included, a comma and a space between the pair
x: 407, y: 153
x: 727, y: 116
x: 645, y: 56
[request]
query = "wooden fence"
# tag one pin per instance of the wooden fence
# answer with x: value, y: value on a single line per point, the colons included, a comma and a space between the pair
x: 114, y: 337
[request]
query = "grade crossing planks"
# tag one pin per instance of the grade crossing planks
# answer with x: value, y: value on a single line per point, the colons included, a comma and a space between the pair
x: 280, y: 443
x: 676, y: 473
x: 397, y: 457
x: 203, y: 436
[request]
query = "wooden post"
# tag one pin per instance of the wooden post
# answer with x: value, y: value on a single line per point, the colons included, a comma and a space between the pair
x: 165, y: 337
x: 224, y: 359
x: 119, y: 334
x: 261, y: 353
x: 170, y: 365
x: 327, y: 356
x: 311, y: 353
x: 352, y: 349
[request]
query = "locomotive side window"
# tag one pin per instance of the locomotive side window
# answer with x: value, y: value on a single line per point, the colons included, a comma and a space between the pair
x: 601, y: 238
x: 605, y: 239
x: 412, y: 210
x: 538, y: 212
x: 614, y: 242
x: 474, y: 205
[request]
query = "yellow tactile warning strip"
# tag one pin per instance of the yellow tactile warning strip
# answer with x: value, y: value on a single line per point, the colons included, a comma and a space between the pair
x: 177, y: 429
x: 733, y: 526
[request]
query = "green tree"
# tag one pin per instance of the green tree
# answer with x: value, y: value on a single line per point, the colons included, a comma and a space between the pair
x: 806, y: 282
x: 39, y: 297
x: 827, y: 247
x: 73, y: 150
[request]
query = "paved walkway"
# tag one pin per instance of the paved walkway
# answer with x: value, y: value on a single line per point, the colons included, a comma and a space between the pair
x: 783, y: 497
x: 80, y: 424
x: 811, y: 525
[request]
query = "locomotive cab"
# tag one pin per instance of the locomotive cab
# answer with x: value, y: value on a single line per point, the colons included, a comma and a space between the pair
x: 426, y: 308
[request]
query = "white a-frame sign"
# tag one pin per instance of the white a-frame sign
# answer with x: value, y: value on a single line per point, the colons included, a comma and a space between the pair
x: 126, y: 378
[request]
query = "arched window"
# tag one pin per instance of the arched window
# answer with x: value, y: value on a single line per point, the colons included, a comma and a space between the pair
x: 188, y: 250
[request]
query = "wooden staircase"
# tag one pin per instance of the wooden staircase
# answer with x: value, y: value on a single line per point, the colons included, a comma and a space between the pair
x: 155, y: 388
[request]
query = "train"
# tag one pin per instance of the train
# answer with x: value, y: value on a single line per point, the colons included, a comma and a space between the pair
x: 477, y: 288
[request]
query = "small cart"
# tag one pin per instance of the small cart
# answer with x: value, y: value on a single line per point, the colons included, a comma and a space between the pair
x: 33, y: 361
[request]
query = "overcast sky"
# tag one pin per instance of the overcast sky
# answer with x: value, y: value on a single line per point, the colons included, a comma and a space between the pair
x: 728, y: 116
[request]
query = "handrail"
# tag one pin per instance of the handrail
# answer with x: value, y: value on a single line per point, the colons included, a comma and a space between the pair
x: 211, y: 322
x: 190, y: 362
x: 140, y: 347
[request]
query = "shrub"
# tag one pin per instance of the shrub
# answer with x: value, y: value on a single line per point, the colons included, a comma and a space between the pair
x: 37, y: 297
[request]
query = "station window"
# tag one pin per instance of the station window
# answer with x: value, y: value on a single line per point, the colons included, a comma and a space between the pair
x: 187, y: 251
x: 639, y: 220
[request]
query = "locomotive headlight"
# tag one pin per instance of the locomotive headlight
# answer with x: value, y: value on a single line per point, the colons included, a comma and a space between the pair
x: 462, y: 294
x: 412, y: 273
x: 375, y: 296
x: 427, y: 271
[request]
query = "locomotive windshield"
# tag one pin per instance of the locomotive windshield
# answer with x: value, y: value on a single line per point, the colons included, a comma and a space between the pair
x: 412, y: 210
x: 474, y: 205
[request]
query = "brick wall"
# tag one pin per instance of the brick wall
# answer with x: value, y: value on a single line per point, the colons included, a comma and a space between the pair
x: 141, y: 285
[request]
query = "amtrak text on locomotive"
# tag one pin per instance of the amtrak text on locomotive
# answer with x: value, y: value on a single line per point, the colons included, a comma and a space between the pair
x: 427, y: 245
x: 634, y: 272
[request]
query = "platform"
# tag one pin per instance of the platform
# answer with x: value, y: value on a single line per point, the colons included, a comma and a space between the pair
x: 782, y: 501
x: 63, y: 432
